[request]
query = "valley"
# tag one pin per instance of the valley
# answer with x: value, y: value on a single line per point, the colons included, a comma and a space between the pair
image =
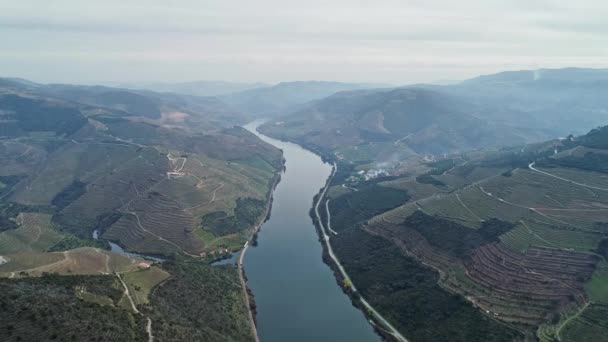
x: 433, y: 222
x: 83, y: 167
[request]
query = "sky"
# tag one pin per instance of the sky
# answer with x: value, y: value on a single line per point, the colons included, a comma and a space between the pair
x: 385, y: 41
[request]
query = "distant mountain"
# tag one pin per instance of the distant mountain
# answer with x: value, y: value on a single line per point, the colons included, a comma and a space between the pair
x: 421, y: 120
x: 487, y: 111
x: 565, y: 101
x: 285, y: 97
x: 195, y: 113
x: 198, y: 88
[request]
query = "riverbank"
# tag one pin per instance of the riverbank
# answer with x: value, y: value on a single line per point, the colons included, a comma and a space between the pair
x: 380, y: 324
x: 247, y: 293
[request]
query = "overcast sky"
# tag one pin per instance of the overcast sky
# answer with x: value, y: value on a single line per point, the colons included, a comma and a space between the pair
x: 401, y: 41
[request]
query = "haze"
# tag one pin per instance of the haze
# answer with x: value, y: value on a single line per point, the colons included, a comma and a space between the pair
x: 271, y: 40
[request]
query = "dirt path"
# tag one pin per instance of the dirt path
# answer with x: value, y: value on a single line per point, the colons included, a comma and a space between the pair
x: 564, y: 323
x: 531, y: 209
x: 210, y: 201
x: 467, y: 208
x: 348, y: 187
x: 135, y: 310
x: 149, y: 232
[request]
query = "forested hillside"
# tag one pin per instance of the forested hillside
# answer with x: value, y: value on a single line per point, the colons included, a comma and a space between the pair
x: 511, y: 241
x: 155, y: 174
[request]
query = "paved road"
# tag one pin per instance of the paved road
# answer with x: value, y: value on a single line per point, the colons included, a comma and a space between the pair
x: 389, y: 328
x: 531, y: 167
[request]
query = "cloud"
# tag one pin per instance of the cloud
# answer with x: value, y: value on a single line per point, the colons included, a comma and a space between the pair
x: 272, y: 40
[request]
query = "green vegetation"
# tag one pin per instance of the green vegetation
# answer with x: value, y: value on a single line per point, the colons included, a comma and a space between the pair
x: 596, y: 138
x: 246, y: 215
x: 371, y: 199
x: 429, y: 179
x: 10, y: 210
x: 591, y: 325
x: 69, y: 194
x: 34, y: 114
x: 199, y: 303
x: 143, y: 170
x: 408, y: 295
x: 141, y: 282
x: 596, y: 287
x: 54, y: 308
x: 73, y: 242
x: 441, y: 166
x: 597, y: 162
x: 7, y: 183
x: 456, y: 239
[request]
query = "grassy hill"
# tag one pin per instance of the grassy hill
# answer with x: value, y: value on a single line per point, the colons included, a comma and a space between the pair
x: 147, y: 185
x: 158, y: 174
x: 515, y: 236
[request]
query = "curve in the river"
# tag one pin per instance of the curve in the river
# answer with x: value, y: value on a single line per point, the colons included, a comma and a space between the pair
x: 296, y: 294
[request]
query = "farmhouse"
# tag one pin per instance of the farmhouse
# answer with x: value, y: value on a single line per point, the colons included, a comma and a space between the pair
x: 144, y: 265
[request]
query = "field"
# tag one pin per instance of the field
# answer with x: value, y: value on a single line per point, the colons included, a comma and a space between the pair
x: 85, y: 260
x: 34, y: 233
x: 141, y: 282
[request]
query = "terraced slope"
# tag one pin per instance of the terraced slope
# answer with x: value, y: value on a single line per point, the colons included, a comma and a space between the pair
x: 520, y: 234
x: 157, y: 174
x: 148, y: 186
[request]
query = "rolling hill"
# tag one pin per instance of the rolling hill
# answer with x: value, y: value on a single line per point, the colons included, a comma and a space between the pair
x: 198, y: 88
x: 199, y: 113
x: 513, y: 238
x: 157, y: 174
x: 285, y: 97
x: 486, y: 112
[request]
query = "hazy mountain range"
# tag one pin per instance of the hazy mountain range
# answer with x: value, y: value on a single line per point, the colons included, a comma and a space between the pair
x: 488, y: 111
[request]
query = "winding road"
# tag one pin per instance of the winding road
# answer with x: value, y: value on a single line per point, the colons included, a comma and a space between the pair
x: 389, y: 328
x: 531, y: 167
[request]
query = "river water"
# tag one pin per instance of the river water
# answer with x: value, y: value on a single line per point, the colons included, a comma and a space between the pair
x: 296, y: 294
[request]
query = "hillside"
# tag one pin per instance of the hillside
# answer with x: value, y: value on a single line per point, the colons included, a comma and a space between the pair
x: 198, y: 88
x: 543, y: 98
x: 486, y: 112
x: 156, y: 174
x: 515, y: 237
x: 198, y: 113
x: 285, y: 97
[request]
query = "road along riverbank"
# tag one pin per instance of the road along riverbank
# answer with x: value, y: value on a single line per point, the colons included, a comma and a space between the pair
x: 296, y: 296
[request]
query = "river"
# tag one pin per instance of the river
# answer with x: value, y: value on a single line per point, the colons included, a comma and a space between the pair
x: 297, y: 296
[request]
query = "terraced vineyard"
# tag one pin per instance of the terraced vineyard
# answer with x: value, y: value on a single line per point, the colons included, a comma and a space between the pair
x: 545, y: 274
x: 81, y: 167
